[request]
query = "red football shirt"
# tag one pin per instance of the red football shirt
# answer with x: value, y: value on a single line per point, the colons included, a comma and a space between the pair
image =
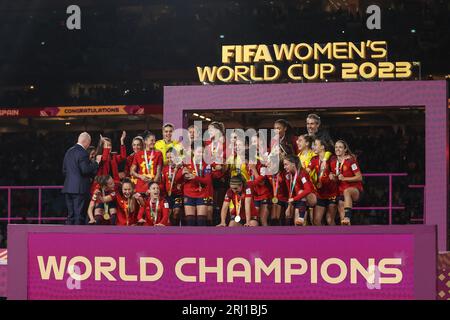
x: 328, y: 187
x: 278, y: 183
x: 238, y: 199
x: 260, y: 184
x: 300, y: 186
x: 125, y: 217
x: 154, y: 212
x: 109, y: 165
x: 172, y: 179
x: 201, y: 185
x: 104, y: 192
x: 348, y: 168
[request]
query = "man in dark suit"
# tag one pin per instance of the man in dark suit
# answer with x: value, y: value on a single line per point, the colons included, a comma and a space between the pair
x: 78, y: 169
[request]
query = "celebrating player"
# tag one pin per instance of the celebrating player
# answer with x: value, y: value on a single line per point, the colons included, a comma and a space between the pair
x: 215, y: 156
x: 102, y: 207
x: 110, y: 161
x: 137, y: 145
x: 155, y: 212
x: 172, y: 186
x: 196, y: 189
x: 300, y: 190
x: 326, y: 189
x: 305, y: 145
x: 237, y: 162
x: 127, y: 207
x: 240, y: 205
x: 277, y: 179
x: 345, y: 170
x: 261, y: 189
x: 147, y: 165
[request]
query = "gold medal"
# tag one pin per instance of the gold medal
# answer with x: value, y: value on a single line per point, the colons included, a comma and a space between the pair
x: 274, y: 200
x: 106, y: 216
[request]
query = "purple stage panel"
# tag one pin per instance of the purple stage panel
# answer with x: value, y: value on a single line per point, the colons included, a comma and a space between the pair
x: 325, y: 259
x: 432, y: 95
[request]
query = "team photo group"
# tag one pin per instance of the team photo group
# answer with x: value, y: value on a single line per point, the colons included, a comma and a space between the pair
x: 214, y: 178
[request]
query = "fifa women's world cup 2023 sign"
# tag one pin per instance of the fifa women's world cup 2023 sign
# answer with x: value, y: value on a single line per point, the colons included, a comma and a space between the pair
x: 303, y: 61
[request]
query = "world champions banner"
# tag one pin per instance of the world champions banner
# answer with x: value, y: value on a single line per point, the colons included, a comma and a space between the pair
x: 216, y: 263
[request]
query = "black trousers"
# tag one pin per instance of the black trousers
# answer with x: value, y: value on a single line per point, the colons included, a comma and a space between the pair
x: 76, y: 208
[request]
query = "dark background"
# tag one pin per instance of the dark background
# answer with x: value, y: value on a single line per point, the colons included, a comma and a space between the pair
x: 127, y: 50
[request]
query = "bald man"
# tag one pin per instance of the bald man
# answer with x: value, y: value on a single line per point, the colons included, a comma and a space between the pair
x: 77, y: 170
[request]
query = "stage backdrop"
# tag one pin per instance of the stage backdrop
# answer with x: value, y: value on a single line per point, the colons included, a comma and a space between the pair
x: 88, y: 262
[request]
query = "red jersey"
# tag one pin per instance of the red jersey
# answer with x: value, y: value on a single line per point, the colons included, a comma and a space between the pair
x: 103, y: 193
x: 201, y: 185
x: 328, y: 188
x: 348, y: 168
x: 147, y: 167
x: 172, y: 179
x: 260, y: 185
x: 214, y: 154
x: 109, y: 165
x: 279, y: 188
x: 299, y: 185
x: 238, y: 201
x: 125, y: 217
x: 154, y: 212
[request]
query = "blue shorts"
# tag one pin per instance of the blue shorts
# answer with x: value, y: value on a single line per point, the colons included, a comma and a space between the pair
x: 258, y: 203
x: 188, y: 201
x: 299, y: 204
x: 174, y: 201
x: 101, y: 205
x: 326, y: 202
x: 283, y: 204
